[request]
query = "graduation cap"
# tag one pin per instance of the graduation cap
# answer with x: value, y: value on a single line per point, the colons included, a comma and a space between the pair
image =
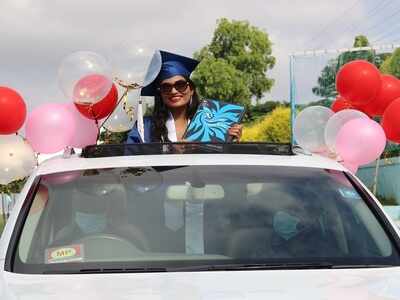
x: 172, y: 65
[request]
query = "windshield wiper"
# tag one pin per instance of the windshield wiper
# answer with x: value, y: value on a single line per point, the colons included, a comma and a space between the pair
x: 239, y: 267
x: 106, y: 270
x: 222, y: 267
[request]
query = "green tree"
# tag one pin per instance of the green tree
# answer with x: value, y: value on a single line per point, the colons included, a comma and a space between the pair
x: 13, y: 187
x: 391, y: 65
x: 369, y: 55
x: 244, y: 48
x: 224, y: 81
x: 326, y: 87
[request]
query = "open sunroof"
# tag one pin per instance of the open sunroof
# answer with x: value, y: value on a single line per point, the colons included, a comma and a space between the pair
x: 186, y: 148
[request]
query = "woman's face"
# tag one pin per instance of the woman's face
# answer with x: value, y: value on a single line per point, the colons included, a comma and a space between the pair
x: 176, y: 91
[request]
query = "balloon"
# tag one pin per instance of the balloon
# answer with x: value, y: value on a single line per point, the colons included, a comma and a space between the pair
x: 391, y: 121
x: 352, y: 167
x: 62, y: 178
x: 365, y: 108
x: 309, y: 128
x: 12, y: 111
x: 50, y: 128
x: 340, y: 103
x: 336, y: 122
x: 17, y: 159
x: 124, y: 116
x: 358, y: 81
x: 74, y: 79
x: 91, y: 89
x: 389, y: 91
x: 133, y: 62
x: 85, y: 130
x: 102, y: 108
x: 360, y: 141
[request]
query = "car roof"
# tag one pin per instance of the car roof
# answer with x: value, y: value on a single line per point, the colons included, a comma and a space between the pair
x: 75, y: 162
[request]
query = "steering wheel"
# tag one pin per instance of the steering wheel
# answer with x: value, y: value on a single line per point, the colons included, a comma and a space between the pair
x: 103, y: 246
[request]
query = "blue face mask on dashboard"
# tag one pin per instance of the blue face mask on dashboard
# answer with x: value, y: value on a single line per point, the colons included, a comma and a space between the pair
x: 91, y: 223
x: 285, y: 225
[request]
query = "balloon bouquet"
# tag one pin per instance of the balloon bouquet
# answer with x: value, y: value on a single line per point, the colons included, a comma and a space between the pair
x: 17, y: 158
x: 347, y: 131
x: 86, y: 78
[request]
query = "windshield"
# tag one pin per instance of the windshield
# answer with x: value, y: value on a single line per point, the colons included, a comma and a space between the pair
x: 187, y: 216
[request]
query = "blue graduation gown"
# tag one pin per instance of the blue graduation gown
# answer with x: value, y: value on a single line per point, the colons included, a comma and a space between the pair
x: 134, y: 137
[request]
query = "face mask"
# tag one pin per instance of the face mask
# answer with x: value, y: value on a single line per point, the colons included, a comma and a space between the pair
x: 90, y: 223
x: 285, y: 225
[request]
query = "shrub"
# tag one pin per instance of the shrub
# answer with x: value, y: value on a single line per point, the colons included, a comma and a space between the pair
x: 274, y: 128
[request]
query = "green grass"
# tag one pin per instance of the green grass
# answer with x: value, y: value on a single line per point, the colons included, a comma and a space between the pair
x: 1, y: 223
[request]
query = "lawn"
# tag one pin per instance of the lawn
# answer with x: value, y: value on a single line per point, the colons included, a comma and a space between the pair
x: 1, y: 224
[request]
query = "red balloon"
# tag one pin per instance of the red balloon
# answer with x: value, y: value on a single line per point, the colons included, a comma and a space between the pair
x: 12, y: 111
x: 358, y: 81
x: 391, y: 121
x: 365, y: 109
x: 102, y: 108
x: 90, y: 89
x: 389, y: 91
x: 340, y: 103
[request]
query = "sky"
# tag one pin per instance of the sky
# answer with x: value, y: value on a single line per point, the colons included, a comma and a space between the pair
x: 37, y: 34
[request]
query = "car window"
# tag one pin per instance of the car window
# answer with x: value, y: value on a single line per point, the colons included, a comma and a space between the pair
x: 188, y: 215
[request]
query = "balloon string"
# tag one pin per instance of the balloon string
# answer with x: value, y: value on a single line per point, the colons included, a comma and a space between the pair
x: 119, y: 101
x: 128, y: 86
x: 91, y: 111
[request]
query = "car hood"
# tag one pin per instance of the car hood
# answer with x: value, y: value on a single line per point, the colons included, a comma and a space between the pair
x: 382, y: 284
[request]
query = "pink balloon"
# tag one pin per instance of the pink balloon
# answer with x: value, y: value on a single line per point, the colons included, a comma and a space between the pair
x: 50, y: 128
x: 360, y: 141
x: 62, y: 178
x: 86, y: 129
x: 352, y: 167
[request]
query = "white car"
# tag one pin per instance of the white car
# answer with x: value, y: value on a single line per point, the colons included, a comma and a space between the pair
x: 244, y: 221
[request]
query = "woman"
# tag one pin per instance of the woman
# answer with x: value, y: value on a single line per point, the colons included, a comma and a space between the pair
x: 175, y: 102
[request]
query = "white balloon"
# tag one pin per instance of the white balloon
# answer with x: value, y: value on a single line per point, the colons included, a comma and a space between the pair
x: 309, y: 128
x: 125, y: 114
x: 17, y: 158
x: 91, y: 71
x: 133, y: 62
x: 336, y: 122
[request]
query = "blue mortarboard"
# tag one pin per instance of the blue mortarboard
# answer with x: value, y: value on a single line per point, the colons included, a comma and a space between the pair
x: 172, y: 65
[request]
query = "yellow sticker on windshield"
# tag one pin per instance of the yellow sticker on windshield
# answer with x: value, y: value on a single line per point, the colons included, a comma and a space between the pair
x: 64, y: 254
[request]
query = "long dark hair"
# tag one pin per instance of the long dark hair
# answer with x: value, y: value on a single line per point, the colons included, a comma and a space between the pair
x: 161, y: 114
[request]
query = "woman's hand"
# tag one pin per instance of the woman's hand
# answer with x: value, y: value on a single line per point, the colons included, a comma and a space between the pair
x: 236, y: 132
